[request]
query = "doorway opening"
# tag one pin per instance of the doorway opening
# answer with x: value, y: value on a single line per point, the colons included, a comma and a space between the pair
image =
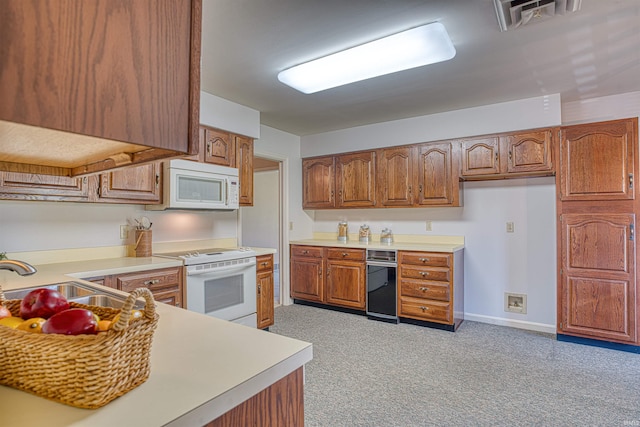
x: 262, y: 223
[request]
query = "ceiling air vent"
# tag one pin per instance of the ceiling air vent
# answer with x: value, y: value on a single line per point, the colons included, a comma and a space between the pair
x: 515, y: 13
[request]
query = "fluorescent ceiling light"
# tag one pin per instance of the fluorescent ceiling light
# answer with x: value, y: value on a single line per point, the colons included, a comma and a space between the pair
x: 419, y: 46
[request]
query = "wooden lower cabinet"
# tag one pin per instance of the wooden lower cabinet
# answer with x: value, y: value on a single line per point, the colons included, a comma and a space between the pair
x: 165, y: 284
x: 430, y: 287
x: 597, y: 292
x: 281, y: 404
x: 334, y: 276
x: 346, y: 278
x: 264, y: 290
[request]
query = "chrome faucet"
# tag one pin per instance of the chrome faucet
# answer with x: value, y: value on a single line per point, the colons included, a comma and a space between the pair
x: 20, y: 267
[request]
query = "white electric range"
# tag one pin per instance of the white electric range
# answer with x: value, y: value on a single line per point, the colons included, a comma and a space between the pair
x: 221, y: 282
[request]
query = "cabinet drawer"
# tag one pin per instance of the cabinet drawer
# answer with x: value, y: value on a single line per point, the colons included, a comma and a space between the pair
x: 307, y: 251
x: 425, y: 258
x: 350, y: 254
x: 264, y: 263
x: 154, y: 280
x: 436, y: 273
x: 425, y: 309
x: 425, y: 289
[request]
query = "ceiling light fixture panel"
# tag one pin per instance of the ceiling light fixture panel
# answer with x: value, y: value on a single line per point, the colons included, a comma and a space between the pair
x: 427, y: 44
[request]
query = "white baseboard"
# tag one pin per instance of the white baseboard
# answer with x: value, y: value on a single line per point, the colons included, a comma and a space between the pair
x: 520, y: 324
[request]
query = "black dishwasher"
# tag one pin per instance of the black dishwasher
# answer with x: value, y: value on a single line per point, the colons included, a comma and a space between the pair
x: 381, y: 285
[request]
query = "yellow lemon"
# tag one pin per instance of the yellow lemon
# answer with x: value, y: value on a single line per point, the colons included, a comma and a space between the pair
x: 32, y: 325
x: 135, y: 314
x: 11, y: 322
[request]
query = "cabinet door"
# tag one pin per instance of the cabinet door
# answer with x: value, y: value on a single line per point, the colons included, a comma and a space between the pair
x: 306, y: 279
x: 436, y: 183
x: 528, y: 152
x: 480, y: 156
x: 27, y: 186
x: 219, y: 148
x: 597, y: 161
x: 265, y: 299
x: 355, y: 179
x: 597, y: 296
x: 136, y: 184
x: 125, y: 71
x: 244, y: 163
x: 318, y: 183
x: 395, y: 176
x: 346, y: 283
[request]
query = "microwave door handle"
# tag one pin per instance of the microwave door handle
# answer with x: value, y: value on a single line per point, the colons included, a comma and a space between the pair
x: 220, y: 269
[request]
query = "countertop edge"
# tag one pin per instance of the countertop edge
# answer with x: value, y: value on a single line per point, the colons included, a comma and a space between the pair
x: 431, y: 247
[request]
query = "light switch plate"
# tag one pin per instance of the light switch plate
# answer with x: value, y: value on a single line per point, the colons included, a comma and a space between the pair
x: 510, y: 227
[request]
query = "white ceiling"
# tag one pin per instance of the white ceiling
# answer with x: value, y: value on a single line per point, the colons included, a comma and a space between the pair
x: 591, y: 53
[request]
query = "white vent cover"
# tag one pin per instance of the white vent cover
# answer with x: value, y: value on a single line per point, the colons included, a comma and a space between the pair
x: 515, y: 13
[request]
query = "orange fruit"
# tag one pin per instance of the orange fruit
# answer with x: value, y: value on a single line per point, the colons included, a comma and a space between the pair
x: 32, y: 325
x: 135, y: 314
x: 104, y: 325
x: 11, y: 322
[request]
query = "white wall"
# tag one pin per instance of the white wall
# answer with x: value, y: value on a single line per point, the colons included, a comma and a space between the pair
x: 601, y: 109
x: 260, y: 222
x: 222, y: 114
x: 495, y: 262
x: 34, y: 226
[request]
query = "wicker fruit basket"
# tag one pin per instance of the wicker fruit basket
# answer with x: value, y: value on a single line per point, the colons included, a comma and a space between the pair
x: 85, y: 371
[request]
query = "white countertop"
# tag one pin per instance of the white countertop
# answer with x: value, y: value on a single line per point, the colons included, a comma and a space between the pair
x: 429, y: 247
x: 201, y: 367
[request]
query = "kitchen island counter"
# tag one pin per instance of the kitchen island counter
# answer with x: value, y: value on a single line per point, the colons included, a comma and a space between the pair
x: 201, y: 367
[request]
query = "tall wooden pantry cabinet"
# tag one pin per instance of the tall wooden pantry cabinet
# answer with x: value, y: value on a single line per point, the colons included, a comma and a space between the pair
x: 597, y: 201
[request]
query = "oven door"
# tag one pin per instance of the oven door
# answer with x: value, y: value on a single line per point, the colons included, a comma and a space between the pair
x: 226, y: 290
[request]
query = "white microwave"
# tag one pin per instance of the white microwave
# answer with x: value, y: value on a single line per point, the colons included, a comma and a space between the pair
x: 202, y: 186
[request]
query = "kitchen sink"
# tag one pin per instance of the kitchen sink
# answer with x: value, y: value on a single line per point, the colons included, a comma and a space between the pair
x: 80, y: 293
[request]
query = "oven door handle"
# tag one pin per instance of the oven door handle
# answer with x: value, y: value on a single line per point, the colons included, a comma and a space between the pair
x: 220, y: 269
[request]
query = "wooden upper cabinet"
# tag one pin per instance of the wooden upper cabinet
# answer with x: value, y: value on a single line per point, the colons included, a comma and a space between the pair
x: 437, y: 182
x: 244, y: 163
x: 355, y: 179
x: 136, y: 184
x: 26, y: 186
x: 318, y: 182
x: 395, y: 176
x: 126, y: 72
x: 597, y: 161
x: 528, y: 152
x: 480, y: 156
x: 597, y: 290
x: 219, y: 147
x: 508, y: 155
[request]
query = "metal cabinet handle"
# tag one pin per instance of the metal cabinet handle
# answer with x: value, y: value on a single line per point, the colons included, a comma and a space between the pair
x: 496, y: 156
x: 424, y: 259
x: 209, y: 147
x: 423, y: 308
x: 320, y: 272
x: 151, y: 282
x: 344, y: 254
x: 423, y: 289
x: 305, y: 252
x: 259, y: 289
x: 265, y: 263
x: 630, y: 181
x: 424, y: 273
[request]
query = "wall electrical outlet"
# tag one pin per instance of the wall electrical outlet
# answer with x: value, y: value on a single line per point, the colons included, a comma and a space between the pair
x: 124, y: 232
x: 510, y: 227
x: 428, y: 225
x: 515, y: 303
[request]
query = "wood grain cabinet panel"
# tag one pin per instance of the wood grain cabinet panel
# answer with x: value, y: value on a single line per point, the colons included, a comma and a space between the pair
x: 166, y: 284
x: 345, y: 278
x: 355, y: 180
x: 318, y: 182
x: 598, y: 290
x: 306, y: 277
x: 528, y: 151
x: 126, y: 71
x: 395, y: 176
x: 27, y: 186
x: 264, y: 290
x: 480, y: 156
x: 598, y: 161
x: 218, y: 147
x: 136, y: 184
x: 244, y: 163
x: 436, y: 182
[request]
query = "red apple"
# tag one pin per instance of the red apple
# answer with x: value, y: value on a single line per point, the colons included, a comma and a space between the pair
x: 42, y: 302
x: 74, y: 321
x: 4, y: 312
